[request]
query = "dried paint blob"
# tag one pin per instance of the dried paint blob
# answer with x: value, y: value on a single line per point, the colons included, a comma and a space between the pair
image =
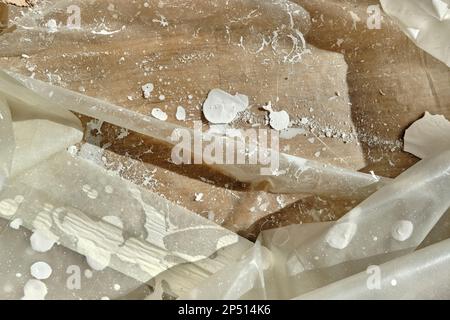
x: 41, y: 270
x: 159, y: 114
x: 340, y: 235
x: 279, y: 120
x: 52, y: 26
x: 221, y: 107
x: 34, y: 290
x: 40, y: 243
x: 181, y: 114
x: 402, y: 230
x: 147, y: 90
x: 16, y: 223
x: 98, y: 263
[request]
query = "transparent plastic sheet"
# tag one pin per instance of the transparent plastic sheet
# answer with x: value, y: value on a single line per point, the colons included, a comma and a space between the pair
x: 59, y: 55
x: 389, y: 224
x: 427, y: 23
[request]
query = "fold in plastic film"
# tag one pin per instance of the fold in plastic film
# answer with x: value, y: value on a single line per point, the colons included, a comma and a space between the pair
x: 392, y: 222
x: 426, y: 22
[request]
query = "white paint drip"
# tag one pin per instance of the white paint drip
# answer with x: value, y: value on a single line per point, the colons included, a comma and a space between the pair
x: 41, y: 243
x: 159, y: 114
x: 34, y: 290
x: 41, y: 270
x: 340, y: 235
x: 279, y: 120
x: 147, y: 90
x: 221, y: 107
x: 402, y: 230
x: 88, y: 273
x: 16, y: 223
x: 181, y: 114
x: 98, y: 263
x: 199, y: 197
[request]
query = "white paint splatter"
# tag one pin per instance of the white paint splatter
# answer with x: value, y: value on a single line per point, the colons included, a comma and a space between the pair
x: 340, y: 235
x: 159, y: 114
x: 199, y: 197
x: 98, y: 262
x: 40, y: 243
x: 402, y: 230
x: 147, y: 90
x: 16, y: 223
x: 88, y: 273
x: 279, y: 120
x: 41, y: 270
x: 181, y: 114
x: 34, y: 290
x: 220, y: 107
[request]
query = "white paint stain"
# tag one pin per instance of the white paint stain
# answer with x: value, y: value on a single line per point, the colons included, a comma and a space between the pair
x: 402, y: 230
x: 340, y: 235
x: 221, y: 107
x: 40, y: 242
x: 41, y: 270
x: 34, y: 290
x: 159, y: 114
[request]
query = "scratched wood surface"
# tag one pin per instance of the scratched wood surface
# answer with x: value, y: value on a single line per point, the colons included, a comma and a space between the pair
x: 366, y: 84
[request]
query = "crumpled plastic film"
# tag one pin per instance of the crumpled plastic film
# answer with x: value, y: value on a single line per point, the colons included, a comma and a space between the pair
x: 421, y: 275
x: 391, y: 223
x: 426, y: 22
